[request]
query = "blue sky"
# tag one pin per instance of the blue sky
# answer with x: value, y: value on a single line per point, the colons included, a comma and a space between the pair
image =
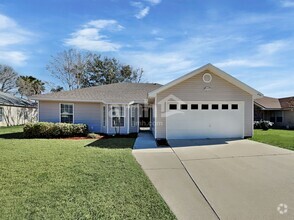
x: 251, y: 40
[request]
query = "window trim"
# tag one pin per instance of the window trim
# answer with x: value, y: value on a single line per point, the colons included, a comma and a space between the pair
x: 73, y: 111
x: 225, y: 109
x: 214, y: 108
x: 133, y: 107
x: 207, y: 107
x: 2, y: 114
x: 185, y: 109
x: 234, y: 108
x: 124, y: 115
x: 104, y: 115
x: 194, y: 108
x: 172, y: 104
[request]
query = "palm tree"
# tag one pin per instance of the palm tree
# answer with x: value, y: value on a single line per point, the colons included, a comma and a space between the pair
x: 29, y: 85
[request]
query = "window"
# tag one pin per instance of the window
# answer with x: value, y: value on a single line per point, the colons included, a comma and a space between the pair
x: 172, y: 106
x: 24, y: 113
x: 134, y: 115
x: 225, y: 106
x: 118, y: 118
x: 204, y: 106
x: 279, y: 116
x: 1, y: 114
x: 214, y: 106
x: 66, y: 113
x: 184, y: 106
x: 194, y: 106
x: 234, y: 106
x: 104, y: 115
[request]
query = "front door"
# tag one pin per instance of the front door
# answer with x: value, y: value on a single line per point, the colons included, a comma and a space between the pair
x: 145, y: 115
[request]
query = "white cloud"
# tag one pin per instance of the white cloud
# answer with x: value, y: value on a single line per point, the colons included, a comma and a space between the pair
x: 273, y: 47
x: 89, y: 37
x: 159, y: 67
x: 287, y: 3
x: 242, y: 63
x: 153, y: 2
x: 13, y: 57
x: 142, y: 13
x: 155, y: 32
x: 143, y: 9
x: 263, y: 56
x: 12, y: 34
x: 6, y: 22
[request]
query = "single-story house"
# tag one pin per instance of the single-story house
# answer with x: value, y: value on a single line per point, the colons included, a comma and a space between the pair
x: 279, y: 111
x: 16, y: 111
x: 205, y: 103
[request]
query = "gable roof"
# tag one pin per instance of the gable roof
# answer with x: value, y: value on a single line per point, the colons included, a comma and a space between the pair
x: 111, y: 93
x: 287, y: 102
x: 216, y: 71
x: 10, y: 100
x: 270, y: 103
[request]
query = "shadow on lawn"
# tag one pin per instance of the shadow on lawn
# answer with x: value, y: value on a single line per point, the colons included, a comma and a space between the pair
x: 15, y: 135
x: 113, y: 143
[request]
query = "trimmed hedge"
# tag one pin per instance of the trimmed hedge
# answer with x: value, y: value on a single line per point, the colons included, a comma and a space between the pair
x: 264, y: 125
x: 54, y: 130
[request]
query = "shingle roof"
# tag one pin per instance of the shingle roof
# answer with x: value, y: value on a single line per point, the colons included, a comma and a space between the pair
x: 287, y: 102
x: 10, y: 100
x: 274, y: 103
x: 112, y: 93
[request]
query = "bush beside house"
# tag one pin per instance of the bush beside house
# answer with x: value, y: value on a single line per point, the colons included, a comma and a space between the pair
x: 264, y: 125
x: 54, y: 130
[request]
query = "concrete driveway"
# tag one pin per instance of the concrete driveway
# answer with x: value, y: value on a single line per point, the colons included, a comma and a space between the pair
x: 222, y: 179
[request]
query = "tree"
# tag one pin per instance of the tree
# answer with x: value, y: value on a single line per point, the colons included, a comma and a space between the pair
x: 29, y: 85
x: 106, y: 70
x: 69, y: 67
x: 57, y: 89
x: 8, y: 78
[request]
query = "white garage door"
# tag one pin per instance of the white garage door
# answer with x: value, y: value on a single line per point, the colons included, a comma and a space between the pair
x: 200, y: 120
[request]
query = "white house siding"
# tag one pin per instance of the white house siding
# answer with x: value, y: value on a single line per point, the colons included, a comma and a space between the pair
x: 192, y: 89
x: 288, y: 119
x: 15, y: 115
x: 90, y: 114
x: 49, y: 111
x: 86, y: 113
x: 104, y: 127
x: 152, y: 125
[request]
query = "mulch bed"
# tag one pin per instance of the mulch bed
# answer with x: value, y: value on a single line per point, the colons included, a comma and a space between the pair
x: 103, y: 136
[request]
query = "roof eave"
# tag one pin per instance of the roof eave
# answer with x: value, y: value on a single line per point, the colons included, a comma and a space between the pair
x: 65, y: 100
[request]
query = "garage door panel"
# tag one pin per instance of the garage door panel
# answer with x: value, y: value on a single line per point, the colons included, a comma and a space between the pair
x: 198, y: 124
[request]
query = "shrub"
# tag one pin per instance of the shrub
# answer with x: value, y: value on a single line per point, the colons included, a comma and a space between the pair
x: 264, y: 125
x: 54, y: 130
x: 93, y: 135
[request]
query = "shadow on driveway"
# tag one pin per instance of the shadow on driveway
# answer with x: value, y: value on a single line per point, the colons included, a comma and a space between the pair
x: 198, y: 142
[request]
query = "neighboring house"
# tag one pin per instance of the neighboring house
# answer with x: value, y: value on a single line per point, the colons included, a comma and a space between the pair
x: 16, y: 111
x: 280, y: 111
x: 205, y: 103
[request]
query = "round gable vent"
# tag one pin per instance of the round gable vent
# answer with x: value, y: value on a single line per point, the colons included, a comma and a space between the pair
x: 207, y: 77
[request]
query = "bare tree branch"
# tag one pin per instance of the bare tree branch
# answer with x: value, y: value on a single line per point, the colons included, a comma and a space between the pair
x: 8, y: 78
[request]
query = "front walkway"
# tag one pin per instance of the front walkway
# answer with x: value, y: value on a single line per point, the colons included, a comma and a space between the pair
x: 227, y: 179
x: 145, y: 140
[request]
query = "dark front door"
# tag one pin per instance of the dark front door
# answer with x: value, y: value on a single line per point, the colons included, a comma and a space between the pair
x: 145, y: 117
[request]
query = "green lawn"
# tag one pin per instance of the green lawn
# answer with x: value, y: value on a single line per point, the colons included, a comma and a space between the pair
x: 74, y: 179
x: 280, y: 138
